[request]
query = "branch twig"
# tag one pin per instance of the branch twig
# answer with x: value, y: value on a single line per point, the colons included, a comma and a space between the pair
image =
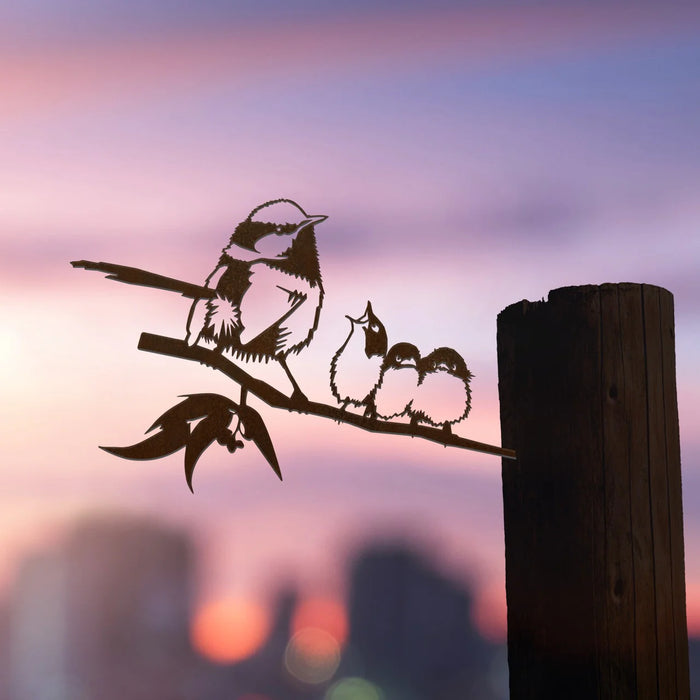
x: 276, y: 399
x: 143, y: 278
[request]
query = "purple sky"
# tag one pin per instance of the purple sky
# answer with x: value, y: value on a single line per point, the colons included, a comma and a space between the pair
x: 468, y: 156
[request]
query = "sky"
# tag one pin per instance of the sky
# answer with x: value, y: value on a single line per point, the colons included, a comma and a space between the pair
x: 467, y: 154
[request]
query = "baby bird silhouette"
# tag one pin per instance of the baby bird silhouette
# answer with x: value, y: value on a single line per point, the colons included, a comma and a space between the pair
x: 268, y: 288
x: 443, y: 396
x: 398, y: 382
x: 356, y: 367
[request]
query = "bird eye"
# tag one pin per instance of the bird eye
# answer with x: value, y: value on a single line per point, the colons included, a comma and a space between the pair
x: 374, y: 327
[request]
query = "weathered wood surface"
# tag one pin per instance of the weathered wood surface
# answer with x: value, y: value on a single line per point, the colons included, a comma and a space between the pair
x: 592, y: 506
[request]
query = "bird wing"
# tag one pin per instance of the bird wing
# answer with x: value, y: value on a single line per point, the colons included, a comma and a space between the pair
x: 272, y: 297
x: 197, y: 319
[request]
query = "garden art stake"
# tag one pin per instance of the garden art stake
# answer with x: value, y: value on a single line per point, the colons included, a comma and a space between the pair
x: 263, y: 301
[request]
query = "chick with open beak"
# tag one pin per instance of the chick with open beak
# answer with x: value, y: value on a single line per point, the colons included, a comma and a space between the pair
x: 356, y: 366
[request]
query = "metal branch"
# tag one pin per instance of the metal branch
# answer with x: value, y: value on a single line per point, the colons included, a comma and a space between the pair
x: 266, y: 393
x: 143, y: 278
x: 276, y: 399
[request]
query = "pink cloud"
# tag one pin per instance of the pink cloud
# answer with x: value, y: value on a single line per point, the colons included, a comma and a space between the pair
x: 52, y: 77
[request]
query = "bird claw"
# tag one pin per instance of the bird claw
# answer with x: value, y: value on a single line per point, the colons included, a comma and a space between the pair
x: 299, y: 397
x: 370, y: 412
x: 343, y: 412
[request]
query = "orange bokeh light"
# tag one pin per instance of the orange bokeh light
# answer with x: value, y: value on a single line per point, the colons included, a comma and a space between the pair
x: 324, y: 614
x: 692, y: 597
x: 229, y: 630
x: 490, y: 614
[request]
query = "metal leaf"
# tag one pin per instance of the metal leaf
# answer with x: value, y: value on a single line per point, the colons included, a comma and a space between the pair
x: 206, y: 431
x: 193, y: 407
x: 172, y: 438
x: 254, y: 429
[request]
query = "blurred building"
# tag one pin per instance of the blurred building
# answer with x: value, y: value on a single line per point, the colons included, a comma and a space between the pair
x: 694, y: 659
x: 411, y: 631
x: 105, y: 615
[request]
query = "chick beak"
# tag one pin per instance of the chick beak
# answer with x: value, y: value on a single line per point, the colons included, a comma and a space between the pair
x: 359, y: 321
x: 365, y: 316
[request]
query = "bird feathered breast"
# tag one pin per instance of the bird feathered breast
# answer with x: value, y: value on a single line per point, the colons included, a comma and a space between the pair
x: 300, y: 263
x: 395, y: 391
x: 441, y: 397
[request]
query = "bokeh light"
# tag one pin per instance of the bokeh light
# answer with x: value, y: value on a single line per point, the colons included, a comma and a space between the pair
x: 489, y: 613
x: 229, y: 630
x: 312, y: 656
x: 354, y: 689
x: 324, y: 614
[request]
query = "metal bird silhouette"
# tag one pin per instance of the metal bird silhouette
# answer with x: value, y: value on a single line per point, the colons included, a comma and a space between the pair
x: 267, y: 288
x: 398, y: 381
x: 443, y: 396
x: 214, y: 414
x: 356, y: 366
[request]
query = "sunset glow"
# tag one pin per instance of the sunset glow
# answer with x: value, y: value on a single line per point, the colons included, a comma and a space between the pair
x: 229, y: 630
x: 693, y: 608
x: 490, y: 614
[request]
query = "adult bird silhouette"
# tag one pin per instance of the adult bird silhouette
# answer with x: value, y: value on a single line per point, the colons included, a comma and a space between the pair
x: 268, y: 289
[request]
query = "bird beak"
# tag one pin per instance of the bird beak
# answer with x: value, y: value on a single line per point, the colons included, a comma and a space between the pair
x: 311, y: 220
x: 365, y: 316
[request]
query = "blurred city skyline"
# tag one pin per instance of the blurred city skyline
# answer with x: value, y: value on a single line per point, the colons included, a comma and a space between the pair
x: 468, y: 155
x: 108, y: 612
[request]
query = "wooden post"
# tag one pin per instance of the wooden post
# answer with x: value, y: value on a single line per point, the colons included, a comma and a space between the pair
x: 592, y: 506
